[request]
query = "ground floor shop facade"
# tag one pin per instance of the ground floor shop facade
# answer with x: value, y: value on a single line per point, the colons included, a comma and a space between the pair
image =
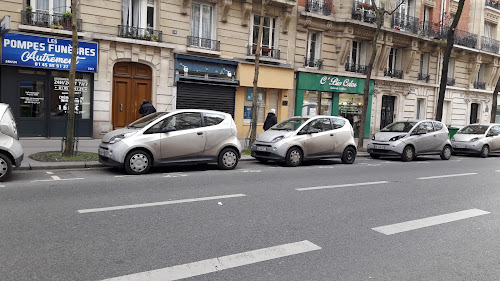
x: 320, y: 94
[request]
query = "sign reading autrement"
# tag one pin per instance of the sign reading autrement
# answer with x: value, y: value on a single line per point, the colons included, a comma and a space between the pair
x: 46, y: 52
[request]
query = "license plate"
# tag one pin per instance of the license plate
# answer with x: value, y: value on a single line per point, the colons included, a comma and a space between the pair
x: 261, y: 148
x: 459, y: 146
x: 377, y: 146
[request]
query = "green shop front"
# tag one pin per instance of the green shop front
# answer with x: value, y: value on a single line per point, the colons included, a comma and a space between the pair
x: 319, y: 94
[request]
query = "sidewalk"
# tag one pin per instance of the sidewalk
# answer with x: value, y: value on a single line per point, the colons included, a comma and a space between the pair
x: 34, y: 145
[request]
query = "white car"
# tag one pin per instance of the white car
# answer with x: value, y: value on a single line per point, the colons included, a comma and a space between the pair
x: 11, y: 150
x: 477, y: 139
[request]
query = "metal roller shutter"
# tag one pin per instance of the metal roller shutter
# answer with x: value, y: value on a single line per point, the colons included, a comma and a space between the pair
x: 201, y: 96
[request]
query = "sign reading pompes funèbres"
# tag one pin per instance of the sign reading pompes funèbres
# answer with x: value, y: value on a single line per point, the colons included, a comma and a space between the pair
x: 329, y: 83
x: 46, y: 52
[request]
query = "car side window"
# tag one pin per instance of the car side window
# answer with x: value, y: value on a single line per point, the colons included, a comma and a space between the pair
x: 212, y: 119
x: 156, y: 127
x: 338, y: 123
x: 495, y: 130
x: 438, y: 126
x: 322, y: 124
x: 184, y: 121
x: 427, y: 126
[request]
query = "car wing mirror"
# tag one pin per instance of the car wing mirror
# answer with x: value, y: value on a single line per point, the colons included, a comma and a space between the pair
x: 168, y: 129
x: 313, y: 131
x: 302, y: 132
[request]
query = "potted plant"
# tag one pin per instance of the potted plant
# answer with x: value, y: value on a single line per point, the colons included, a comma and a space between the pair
x: 29, y: 14
x: 365, y: 6
x: 67, y: 19
x: 437, y: 24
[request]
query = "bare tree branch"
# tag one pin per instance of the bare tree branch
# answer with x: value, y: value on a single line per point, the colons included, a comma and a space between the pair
x: 395, y: 9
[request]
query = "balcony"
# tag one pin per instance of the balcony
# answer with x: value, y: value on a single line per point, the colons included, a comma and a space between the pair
x: 133, y: 32
x: 322, y: 7
x: 393, y: 73
x: 313, y: 63
x: 363, y: 12
x: 356, y: 68
x: 465, y: 38
x: 493, y: 4
x: 203, y: 43
x: 424, y: 77
x: 450, y: 82
x: 439, y: 32
x: 432, y: 30
x: 480, y: 85
x: 44, y: 19
x: 490, y: 45
x: 265, y: 52
x: 405, y: 23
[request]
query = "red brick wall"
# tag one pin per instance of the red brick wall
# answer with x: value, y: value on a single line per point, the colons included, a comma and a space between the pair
x: 302, y: 3
x: 435, y: 16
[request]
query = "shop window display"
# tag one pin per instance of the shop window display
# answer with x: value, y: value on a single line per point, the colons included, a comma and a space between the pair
x: 60, y: 94
x: 351, y: 108
x: 314, y: 98
x: 32, y: 97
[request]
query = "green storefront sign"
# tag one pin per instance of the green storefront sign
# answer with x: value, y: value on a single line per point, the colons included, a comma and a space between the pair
x: 335, y: 84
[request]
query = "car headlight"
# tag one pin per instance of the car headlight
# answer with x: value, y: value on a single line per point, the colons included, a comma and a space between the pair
x: 397, y: 138
x: 373, y: 137
x: 474, y: 139
x: 452, y: 138
x: 277, y: 139
x: 120, y: 137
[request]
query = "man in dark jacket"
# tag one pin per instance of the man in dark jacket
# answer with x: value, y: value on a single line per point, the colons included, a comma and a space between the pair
x: 146, y: 108
x: 271, y: 119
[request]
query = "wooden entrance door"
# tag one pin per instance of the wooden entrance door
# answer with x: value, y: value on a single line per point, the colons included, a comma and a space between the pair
x: 387, y: 112
x: 131, y: 85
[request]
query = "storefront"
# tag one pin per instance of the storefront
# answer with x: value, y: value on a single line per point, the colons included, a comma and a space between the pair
x: 274, y: 87
x: 319, y: 94
x: 35, y: 82
x: 205, y: 83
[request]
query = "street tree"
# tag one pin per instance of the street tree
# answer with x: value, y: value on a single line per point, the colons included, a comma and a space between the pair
x: 494, y: 103
x: 450, y: 40
x: 69, y: 147
x: 258, y: 47
x: 380, y: 13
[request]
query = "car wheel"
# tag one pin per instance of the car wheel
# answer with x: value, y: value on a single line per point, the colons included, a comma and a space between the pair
x: 228, y: 159
x: 138, y: 162
x: 5, y: 167
x: 349, y: 155
x: 485, y: 151
x: 446, y: 153
x: 374, y: 156
x: 408, y: 154
x: 262, y: 160
x: 293, y: 157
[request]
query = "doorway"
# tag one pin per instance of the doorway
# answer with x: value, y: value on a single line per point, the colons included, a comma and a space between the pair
x: 132, y: 84
x: 474, y: 108
x: 387, y: 113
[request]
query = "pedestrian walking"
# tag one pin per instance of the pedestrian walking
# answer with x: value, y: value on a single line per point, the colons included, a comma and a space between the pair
x: 271, y: 119
x: 146, y: 108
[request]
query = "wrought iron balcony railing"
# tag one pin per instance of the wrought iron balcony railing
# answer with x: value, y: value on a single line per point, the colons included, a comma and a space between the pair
x: 133, y: 32
x: 490, y: 45
x: 363, y: 12
x: 323, y: 7
x: 264, y: 52
x: 480, y: 85
x: 393, y: 73
x: 424, y: 77
x: 440, y: 32
x: 405, y: 23
x: 203, y: 43
x: 313, y: 63
x: 433, y: 30
x: 465, y: 38
x: 356, y: 68
x: 44, y: 19
x: 493, y: 4
x: 450, y: 82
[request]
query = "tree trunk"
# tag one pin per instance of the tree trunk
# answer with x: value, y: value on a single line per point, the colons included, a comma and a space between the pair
x: 255, y: 108
x: 494, y: 103
x: 70, y: 127
x: 444, y: 72
x: 369, y: 67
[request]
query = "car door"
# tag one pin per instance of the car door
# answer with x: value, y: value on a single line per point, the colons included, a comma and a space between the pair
x: 322, y: 142
x: 424, y: 142
x: 440, y: 136
x: 495, y: 138
x: 341, y: 134
x: 187, y: 141
x: 216, y: 132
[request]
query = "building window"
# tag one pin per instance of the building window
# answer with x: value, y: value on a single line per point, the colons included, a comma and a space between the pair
x: 423, y: 73
x: 393, y: 68
x: 357, y: 58
x: 137, y: 13
x: 202, y: 21
x: 451, y: 72
x: 489, y: 30
x: 50, y: 6
x: 314, y: 50
x: 478, y: 83
x: 269, y: 40
x: 317, y: 103
x: 420, y: 109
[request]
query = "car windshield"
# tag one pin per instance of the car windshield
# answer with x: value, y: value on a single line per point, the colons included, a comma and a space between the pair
x: 146, y: 120
x: 291, y: 124
x: 399, y: 127
x: 474, y: 130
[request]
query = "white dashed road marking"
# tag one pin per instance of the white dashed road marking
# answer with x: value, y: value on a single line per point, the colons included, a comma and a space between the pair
x: 84, y: 211
x: 340, y: 185
x: 430, y: 221
x: 446, y: 176
x: 221, y: 263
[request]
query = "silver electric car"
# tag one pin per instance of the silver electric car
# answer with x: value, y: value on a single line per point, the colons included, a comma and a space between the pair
x: 409, y: 139
x: 306, y: 138
x: 181, y: 136
x: 11, y: 150
x: 477, y: 139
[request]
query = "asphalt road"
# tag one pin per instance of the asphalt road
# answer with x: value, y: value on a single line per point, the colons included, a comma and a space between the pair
x: 373, y: 220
